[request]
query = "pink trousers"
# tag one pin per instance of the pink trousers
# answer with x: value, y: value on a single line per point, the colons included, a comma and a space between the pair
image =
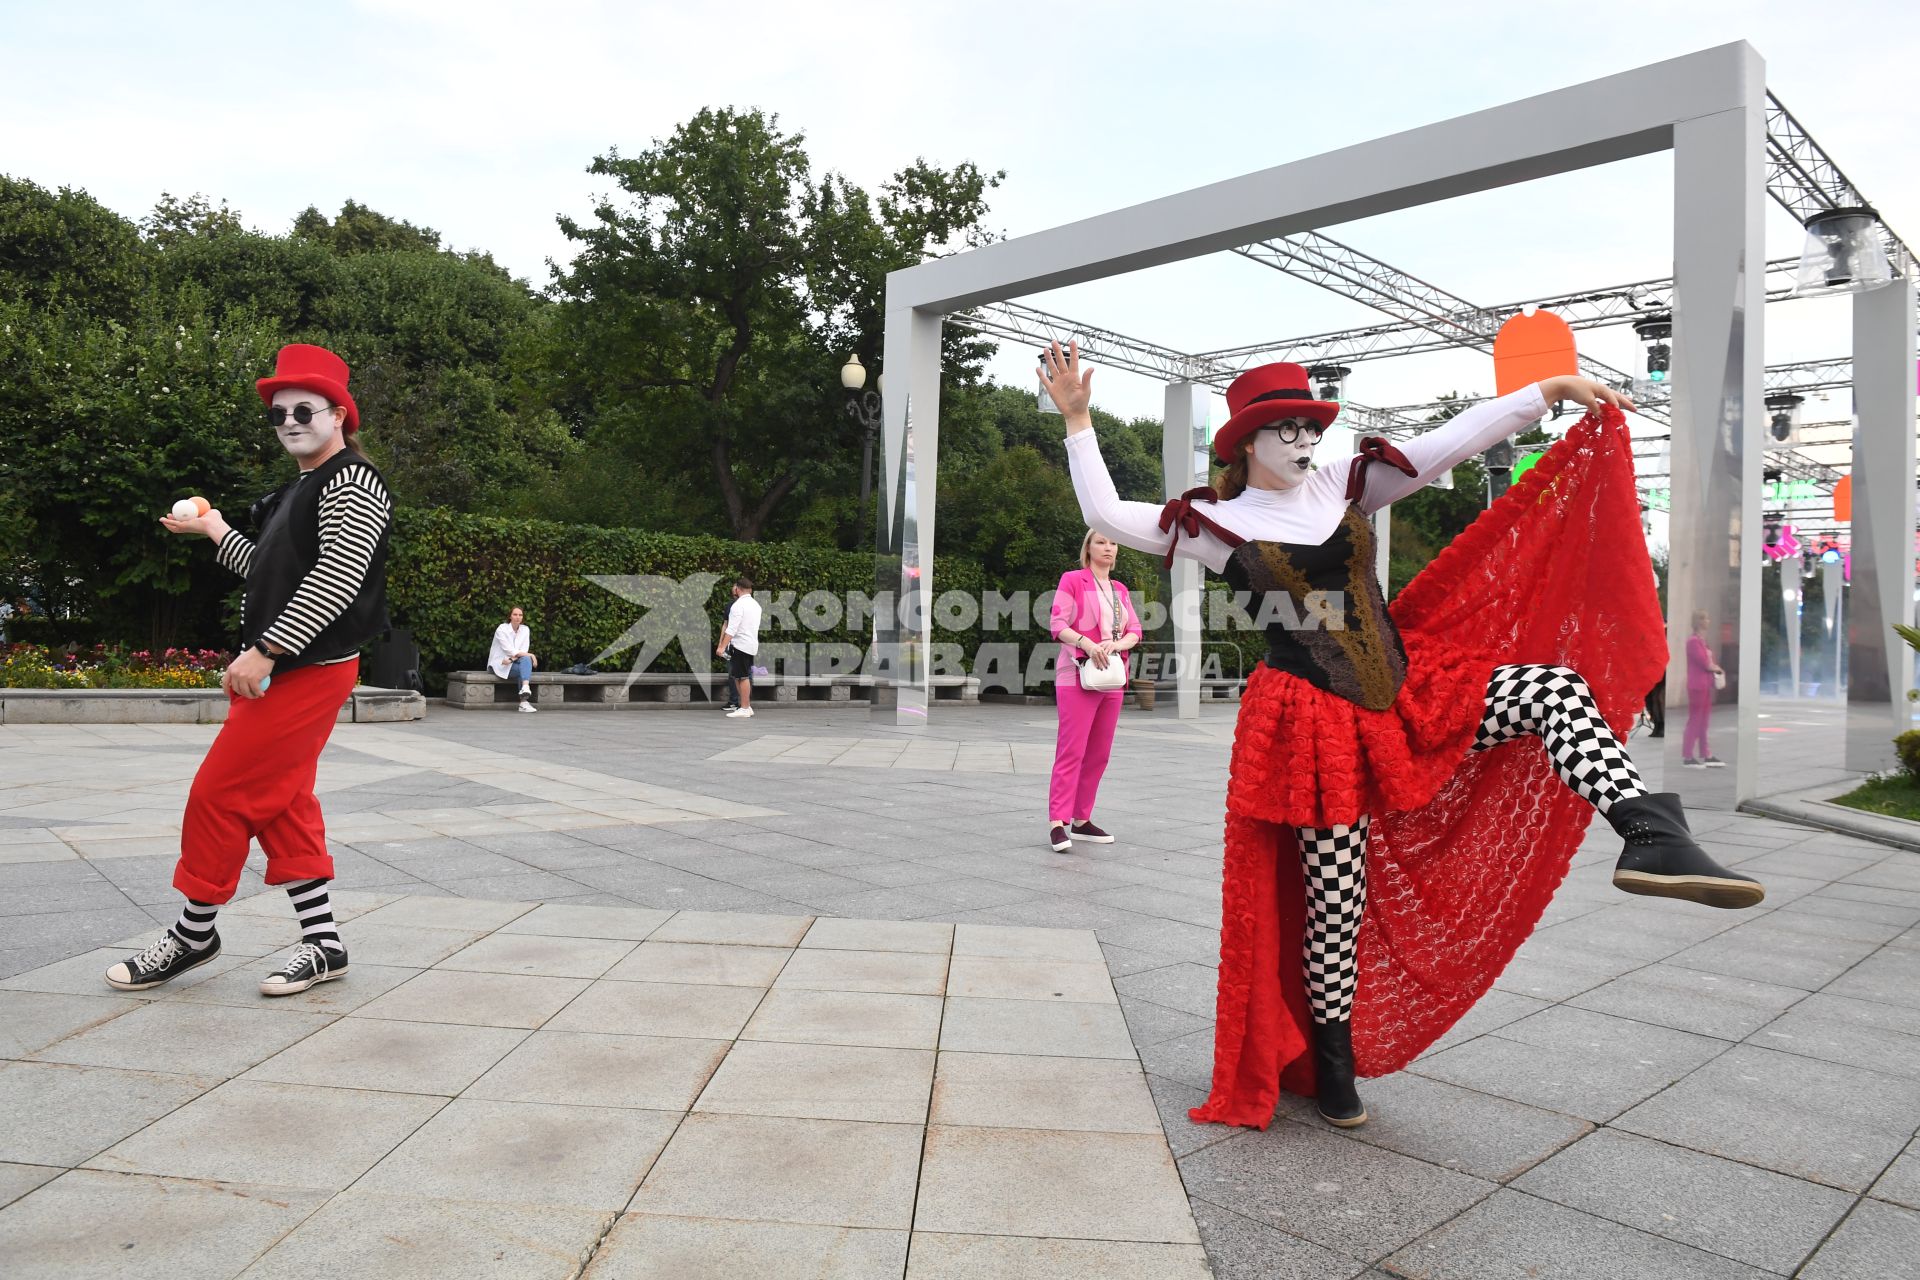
x: 1080, y: 752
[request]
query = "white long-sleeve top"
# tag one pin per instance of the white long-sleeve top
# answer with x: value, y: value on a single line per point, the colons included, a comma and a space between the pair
x: 1307, y: 514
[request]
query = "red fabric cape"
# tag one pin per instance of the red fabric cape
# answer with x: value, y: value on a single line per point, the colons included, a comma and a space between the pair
x: 1556, y: 571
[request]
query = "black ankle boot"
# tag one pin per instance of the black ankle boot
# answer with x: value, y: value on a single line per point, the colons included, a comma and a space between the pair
x: 1662, y: 860
x: 1333, y: 1074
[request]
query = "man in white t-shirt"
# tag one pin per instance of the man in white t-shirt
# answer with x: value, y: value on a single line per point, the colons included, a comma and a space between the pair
x: 739, y: 642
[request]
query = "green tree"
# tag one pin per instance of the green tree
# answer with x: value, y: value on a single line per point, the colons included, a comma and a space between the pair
x: 707, y: 311
x: 109, y: 424
x: 61, y: 249
x: 1424, y: 522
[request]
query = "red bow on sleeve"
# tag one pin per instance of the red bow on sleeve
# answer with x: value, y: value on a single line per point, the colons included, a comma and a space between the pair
x: 1180, y: 517
x: 1374, y: 449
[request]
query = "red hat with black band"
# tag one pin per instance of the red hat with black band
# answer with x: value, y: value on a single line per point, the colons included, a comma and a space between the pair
x: 1263, y: 396
x: 310, y: 368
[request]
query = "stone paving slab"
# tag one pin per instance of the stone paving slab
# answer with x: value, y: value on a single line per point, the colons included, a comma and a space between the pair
x: 534, y: 1102
x: 1769, y: 1048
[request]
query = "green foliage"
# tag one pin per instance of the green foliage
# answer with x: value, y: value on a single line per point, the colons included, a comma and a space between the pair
x: 130, y: 353
x: 1892, y: 795
x: 65, y: 249
x: 359, y: 229
x: 109, y: 425
x: 706, y: 314
x: 1907, y: 746
x: 1424, y: 522
x: 452, y: 578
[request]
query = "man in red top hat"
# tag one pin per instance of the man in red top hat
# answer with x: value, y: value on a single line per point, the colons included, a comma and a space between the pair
x: 316, y: 592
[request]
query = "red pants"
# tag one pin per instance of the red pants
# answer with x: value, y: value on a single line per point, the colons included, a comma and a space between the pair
x: 257, y: 783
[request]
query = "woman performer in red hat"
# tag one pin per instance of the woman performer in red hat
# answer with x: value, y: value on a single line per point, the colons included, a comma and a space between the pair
x: 316, y: 592
x: 1368, y: 749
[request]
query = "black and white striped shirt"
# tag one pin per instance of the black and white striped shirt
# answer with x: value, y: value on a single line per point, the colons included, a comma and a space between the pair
x: 354, y: 512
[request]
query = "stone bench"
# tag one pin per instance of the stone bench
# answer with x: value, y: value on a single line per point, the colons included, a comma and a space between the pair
x: 365, y: 705
x: 471, y: 690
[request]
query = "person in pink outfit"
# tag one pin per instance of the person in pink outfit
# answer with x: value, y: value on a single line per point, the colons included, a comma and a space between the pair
x: 1704, y: 676
x: 1094, y: 621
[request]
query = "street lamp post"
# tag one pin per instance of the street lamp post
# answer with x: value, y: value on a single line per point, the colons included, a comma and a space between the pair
x: 863, y: 406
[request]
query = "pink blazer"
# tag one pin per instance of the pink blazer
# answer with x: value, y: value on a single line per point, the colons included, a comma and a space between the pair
x: 1076, y: 606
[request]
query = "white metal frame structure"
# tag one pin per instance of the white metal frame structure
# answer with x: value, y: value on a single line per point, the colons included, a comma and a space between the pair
x: 1711, y: 110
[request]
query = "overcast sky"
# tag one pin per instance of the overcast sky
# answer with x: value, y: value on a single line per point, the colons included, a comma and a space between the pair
x: 479, y: 119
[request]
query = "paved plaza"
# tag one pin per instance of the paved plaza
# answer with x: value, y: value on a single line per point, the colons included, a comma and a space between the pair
x: 635, y: 989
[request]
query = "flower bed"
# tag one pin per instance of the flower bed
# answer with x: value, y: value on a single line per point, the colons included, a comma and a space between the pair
x: 32, y: 666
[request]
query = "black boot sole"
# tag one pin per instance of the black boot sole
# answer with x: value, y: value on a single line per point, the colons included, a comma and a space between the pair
x: 1708, y: 891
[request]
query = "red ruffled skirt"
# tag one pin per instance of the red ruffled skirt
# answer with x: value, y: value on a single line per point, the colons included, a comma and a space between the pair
x: 1465, y: 848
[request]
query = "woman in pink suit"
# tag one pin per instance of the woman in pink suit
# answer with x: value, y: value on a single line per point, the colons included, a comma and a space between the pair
x: 1703, y: 674
x: 1094, y: 621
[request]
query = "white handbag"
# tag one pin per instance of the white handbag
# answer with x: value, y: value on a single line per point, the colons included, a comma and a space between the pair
x: 1719, y: 679
x: 1102, y: 679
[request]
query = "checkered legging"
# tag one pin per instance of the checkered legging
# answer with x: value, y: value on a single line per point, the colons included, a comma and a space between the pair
x: 1553, y: 704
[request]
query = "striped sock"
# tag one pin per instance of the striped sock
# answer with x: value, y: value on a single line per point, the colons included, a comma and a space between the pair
x: 195, y: 925
x: 315, y: 909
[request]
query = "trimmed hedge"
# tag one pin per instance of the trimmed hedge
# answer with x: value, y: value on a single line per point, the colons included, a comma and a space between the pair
x: 451, y: 578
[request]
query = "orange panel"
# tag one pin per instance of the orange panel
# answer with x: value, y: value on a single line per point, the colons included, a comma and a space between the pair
x: 1843, y: 499
x: 1530, y: 348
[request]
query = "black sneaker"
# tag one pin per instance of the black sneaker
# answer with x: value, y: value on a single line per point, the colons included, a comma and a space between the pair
x: 309, y: 963
x: 1090, y: 833
x: 1057, y: 837
x: 164, y: 961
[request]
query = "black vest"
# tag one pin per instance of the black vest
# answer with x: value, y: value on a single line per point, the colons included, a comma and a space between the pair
x: 1361, y: 658
x: 288, y: 546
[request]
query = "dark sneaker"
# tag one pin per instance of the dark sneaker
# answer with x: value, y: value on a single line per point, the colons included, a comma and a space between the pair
x: 1690, y: 763
x: 1057, y: 837
x: 1090, y: 833
x: 1662, y: 860
x: 1714, y: 762
x: 164, y: 961
x: 309, y: 963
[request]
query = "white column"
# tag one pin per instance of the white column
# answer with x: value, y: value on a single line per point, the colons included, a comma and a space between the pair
x: 1879, y: 662
x: 1790, y: 606
x: 1185, y: 418
x: 1719, y: 255
x: 909, y: 479
x: 1833, y: 587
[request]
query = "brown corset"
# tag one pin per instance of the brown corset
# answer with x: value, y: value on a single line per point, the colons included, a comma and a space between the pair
x: 1342, y: 639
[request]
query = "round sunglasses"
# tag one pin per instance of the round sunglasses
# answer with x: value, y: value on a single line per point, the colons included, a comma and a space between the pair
x: 302, y: 413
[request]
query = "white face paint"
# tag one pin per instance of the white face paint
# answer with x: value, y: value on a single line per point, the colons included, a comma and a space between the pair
x: 318, y: 435
x: 1287, y: 463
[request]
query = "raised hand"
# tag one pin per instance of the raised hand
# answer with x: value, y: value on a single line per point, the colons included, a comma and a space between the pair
x: 1070, y: 386
x: 1583, y: 391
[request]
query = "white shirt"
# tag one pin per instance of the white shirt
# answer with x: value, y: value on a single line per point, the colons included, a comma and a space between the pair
x: 743, y: 624
x: 507, y: 641
x: 1307, y: 514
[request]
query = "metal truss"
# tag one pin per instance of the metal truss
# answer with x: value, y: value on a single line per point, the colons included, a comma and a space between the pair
x: 1036, y: 328
x: 1340, y: 268
x: 1801, y: 177
x: 1804, y: 180
x: 1587, y: 309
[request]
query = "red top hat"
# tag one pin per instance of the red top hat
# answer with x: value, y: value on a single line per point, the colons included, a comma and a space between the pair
x: 312, y: 368
x: 1262, y: 396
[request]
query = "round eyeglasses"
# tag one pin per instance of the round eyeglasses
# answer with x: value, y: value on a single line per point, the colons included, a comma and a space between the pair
x: 1290, y: 432
x: 302, y: 413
